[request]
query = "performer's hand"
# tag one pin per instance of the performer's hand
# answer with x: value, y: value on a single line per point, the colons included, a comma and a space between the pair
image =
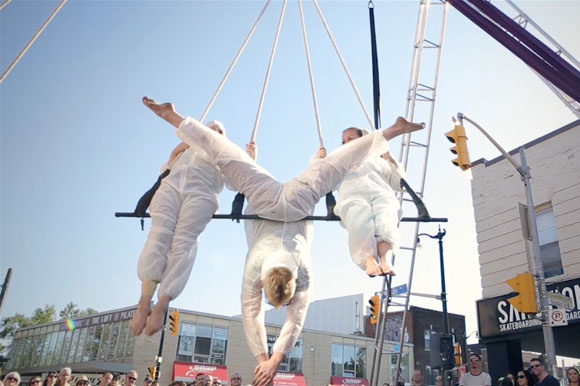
x: 321, y: 153
x: 388, y: 157
x: 252, y: 150
x: 264, y: 373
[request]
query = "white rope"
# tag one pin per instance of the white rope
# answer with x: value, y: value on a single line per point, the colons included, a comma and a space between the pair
x: 219, y: 88
x: 36, y: 35
x: 312, y: 87
x: 4, y: 3
x: 272, y: 54
x: 371, y: 124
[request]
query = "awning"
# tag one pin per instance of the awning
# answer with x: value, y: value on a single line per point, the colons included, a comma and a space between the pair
x: 346, y: 381
x: 289, y: 379
x: 186, y: 371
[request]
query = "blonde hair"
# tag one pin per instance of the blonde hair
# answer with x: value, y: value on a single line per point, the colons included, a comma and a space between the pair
x: 279, y: 286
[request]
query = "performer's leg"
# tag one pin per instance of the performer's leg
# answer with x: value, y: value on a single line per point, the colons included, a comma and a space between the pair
x: 164, y: 208
x: 386, y: 207
x: 240, y: 171
x: 323, y: 175
x: 195, y: 214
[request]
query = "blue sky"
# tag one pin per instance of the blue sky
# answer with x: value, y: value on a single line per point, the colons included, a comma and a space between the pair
x: 76, y: 144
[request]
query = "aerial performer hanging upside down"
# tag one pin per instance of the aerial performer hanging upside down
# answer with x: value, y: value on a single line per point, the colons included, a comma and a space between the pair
x: 278, y: 261
x: 180, y: 209
x: 369, y: 209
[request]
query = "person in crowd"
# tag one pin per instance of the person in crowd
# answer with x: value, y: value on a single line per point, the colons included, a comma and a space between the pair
x: 542, y: 377
x: 417, y: 378
x: 572, y: 376
x: 147, y: 381
x: 525, y: 378
x: 155, y: 383
x: 200, y: 379
x: 505, y: 381
x: 35, y: 381
x: 116, y: 381
x: 511, y: 377
x: 105, y: 379
x: 369, y: 209
x: 278, y: 263
x: 12, y: 379
x: 236, y: 379
x: 51, y: 377
x: 439, y: 380
x: 216, y: 382
x: 131, y: 378
x: 476, y: 376
x: 180, y: 210
x: 178, y: 383
x: 83, y: 381
x: 64, y: 376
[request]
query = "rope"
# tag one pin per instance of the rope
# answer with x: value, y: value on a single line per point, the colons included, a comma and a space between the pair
x: 372, y: 126
x: 4, y: 3
x: 272, y: 54
x: 27, y: 46
x: 312, y: 86
x: 240, y: 51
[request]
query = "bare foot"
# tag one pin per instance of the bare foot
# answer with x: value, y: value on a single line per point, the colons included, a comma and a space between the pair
x: 406, y: 126
x: 386, y: 268
x: 156, y: 318
x: 371, y: 267
x: 161, y: 109
x: 139, y: 320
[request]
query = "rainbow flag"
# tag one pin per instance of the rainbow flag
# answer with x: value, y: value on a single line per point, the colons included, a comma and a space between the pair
x: 70, y: 324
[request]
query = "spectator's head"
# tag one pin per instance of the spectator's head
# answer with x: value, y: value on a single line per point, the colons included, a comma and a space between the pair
x: 216, y: 382
x: 439, y: 380
x: 475, y: 364
x: 106, y: 379
x: 506, y: 382
x: 83, y: 381
x: 64, y: 375
x: 537, y: 368
x: 417, y: 378
x: 279, y: 286
x: 236, y: 379
x: 178, y: 383
x: 525, y: 378
x: 572, y: 375
x: 35, y: 381
x: 12, y: 379
x: 200, y: 379
x: 50, y: 378
x: 131, y: 378
x: 147, y: 381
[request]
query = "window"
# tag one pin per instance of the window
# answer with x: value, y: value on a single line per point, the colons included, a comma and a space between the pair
x: 348, y: 361
x: 404, y: 366
x: 548, y: 240
x: 427, y: 336
x: 293, y: 362
x: 81, y: 345
x: 203, y: 344
x: 124, y: 331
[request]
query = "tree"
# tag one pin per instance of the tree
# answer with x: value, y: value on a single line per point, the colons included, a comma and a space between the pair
x: 71, y: 311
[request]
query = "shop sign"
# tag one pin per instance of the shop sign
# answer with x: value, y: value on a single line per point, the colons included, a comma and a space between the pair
x: 289, y: 379
x: 347, y: 381
x: 496, y: 316
x: 111, y: 317
x: 186, y: 371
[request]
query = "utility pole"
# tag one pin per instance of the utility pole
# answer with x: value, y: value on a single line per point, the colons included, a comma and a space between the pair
x: 525, y: 174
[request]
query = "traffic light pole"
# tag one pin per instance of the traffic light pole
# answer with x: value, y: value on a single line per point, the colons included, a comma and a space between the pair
x: 159, y: 357
x: 524, y: 171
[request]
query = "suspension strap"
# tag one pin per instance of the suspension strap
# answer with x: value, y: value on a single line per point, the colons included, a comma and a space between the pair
x: 4, y: 3
x: 360, y: 101
x: 32, y: 40
x: 312, y: 86
x: 267, y: 78
x: 375, y: 60
x: 240, y: 51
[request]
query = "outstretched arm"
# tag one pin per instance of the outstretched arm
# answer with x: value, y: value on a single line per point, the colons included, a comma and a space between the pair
x: 164, y: 110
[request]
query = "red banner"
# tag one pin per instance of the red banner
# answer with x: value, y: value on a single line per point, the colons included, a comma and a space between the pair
x: 346, y: 381
x: 289, y: 379
x: 185, y: 371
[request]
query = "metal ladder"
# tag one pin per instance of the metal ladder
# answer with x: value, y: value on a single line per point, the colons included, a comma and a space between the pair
x: 421, y: 97
x: 524, y: 20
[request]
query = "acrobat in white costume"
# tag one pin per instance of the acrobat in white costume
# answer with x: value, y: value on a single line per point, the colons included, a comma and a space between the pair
x: 369, y: 208
x: 180, y: 210
x: 275, y: 243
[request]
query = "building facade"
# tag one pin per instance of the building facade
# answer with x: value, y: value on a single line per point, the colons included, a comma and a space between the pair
x: 205, y: 343
x: 505, y: 250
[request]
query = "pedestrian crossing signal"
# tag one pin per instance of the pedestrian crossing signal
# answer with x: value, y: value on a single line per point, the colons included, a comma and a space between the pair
x: 174, y: 323
x: 375, y: 308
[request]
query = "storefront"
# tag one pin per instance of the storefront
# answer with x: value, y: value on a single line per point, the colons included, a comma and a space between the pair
x: 346, y: 381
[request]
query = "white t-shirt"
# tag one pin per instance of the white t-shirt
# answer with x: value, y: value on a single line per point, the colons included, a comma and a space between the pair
x: 469, y: 379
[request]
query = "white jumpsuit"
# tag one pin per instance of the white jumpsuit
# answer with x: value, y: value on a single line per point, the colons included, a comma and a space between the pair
x: 180, y: 210
x: 369, y: 208
x: 277, y: 243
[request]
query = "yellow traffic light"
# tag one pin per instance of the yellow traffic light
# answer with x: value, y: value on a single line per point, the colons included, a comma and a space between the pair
x: 457, y: 354
x: 174, y: 323
x: 524, y: 285
x: 375, y: 308
x: 152, y: 372
x: 459, y: 138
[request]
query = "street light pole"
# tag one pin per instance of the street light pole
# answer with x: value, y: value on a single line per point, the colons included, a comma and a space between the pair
x: 525, y: 174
